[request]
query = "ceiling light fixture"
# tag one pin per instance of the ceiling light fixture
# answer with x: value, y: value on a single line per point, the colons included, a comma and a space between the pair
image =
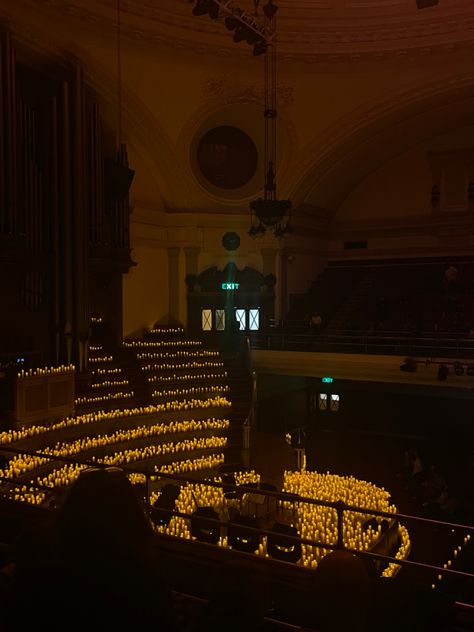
x: 269, y: 213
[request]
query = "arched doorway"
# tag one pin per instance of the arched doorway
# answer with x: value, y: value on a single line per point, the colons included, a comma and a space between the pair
x: 221, y: 302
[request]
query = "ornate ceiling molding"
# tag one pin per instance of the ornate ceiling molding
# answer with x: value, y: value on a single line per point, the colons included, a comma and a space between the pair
x: 306, y: 33
x: 225, y: 89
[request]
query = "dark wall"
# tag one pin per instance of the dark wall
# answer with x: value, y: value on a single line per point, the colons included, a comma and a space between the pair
x: 64, y: 238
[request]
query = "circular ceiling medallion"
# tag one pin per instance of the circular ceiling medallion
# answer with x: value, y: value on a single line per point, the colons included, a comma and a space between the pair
x: 227, y: 157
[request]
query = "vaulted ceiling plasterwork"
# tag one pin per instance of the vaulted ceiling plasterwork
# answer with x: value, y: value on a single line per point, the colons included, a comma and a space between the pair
x: 311, y: 30
x: 225, y: 89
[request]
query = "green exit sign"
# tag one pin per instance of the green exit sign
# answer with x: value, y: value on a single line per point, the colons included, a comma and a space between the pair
x: 230, y: 286
x: 327, y: 380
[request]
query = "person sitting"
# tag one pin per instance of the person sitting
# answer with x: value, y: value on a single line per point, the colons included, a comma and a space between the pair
x: 343, y: 592
x: 316, y: 322
x: 102, y: 571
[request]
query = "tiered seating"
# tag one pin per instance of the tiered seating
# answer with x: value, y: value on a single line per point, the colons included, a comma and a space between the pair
x: 397, y: 296
x: 182, y: 427
x: 108, y: 388
x: 175, y: 368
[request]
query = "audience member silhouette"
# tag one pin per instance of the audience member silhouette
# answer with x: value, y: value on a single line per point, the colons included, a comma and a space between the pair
x: 342, y: 592
x: 101, y: 571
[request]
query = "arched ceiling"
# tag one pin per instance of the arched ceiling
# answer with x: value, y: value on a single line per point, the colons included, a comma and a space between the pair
x: 327, y: 29
x: 368, y: 139
x: 339, y: 154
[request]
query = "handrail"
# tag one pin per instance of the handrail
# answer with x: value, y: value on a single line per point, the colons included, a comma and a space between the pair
x: 284, y: 496
x: 339, y: 506
x: 404, y: 343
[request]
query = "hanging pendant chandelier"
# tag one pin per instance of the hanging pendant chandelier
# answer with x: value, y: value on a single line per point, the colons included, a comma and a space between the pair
x: 269, y: 214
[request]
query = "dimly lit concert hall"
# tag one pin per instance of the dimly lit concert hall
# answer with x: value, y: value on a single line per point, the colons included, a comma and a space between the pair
x: 237, y: 315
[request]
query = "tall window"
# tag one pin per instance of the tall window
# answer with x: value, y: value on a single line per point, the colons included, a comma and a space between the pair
x: 254, y: 319
x: 323, y: 401
x: 240, y: 316
x: 220, y: 319
x: 334, y: 402
x: 206, y: 319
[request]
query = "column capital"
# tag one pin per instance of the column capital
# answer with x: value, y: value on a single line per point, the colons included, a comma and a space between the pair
x: 191, y: 250
x: 173, y: 251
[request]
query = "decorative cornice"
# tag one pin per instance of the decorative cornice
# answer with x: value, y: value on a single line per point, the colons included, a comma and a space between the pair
x: 225, y: 89
x: 305, y: 34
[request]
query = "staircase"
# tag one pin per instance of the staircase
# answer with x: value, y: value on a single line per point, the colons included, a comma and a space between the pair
x: 357, y: 297
x: 107, y: 385
x: 240, y: 382
x: 164, y: 366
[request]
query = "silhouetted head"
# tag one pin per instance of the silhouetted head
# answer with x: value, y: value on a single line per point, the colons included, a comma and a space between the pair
x: 102, y: 517
x: 343, y: 592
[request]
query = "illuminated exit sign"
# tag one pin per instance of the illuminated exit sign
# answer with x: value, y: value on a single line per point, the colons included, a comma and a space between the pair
x: 327, y: 380
x: 230, y: 286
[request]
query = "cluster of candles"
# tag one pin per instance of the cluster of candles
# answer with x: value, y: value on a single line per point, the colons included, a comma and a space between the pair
x: 192, y: 465
x: 320, y: 523
x: 202, y: 353
x: 95, y: 347
x: 51, y: 370
x: 166, y: 330
x: 182, y: 365
x: 96, y: 319
x: 180, y: 467
x: 401, y: 554
x: 144, y: 344
x: 109, y: 383
x: 187, y: 377
x: 313, y: 522
x: 10, y: 436
x: 99, y: 359
x: 106, y: 397
x: 113, y: 371
x: 23, y: 463
x: 456, y: 552
x: 194, y: 390
x: 67, y: 474
x: 162, y: 449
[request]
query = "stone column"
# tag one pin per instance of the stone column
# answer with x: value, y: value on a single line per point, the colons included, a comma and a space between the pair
x: 283, y: 289
x: 191, y: 264
x: 173, y: 285
x: 191, y: 254
x: 269, y: 260
x: 269, y: 266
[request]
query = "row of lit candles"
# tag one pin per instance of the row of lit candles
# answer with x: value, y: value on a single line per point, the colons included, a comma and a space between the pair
x: 202, y: 353
x: 195, y: 390
x: 10, y: 436
x: 162, y: 449
x: 100, y: 359
x: 456, y: 552
x: 51, y: 370
x: 105, y: 397
x: 142, y: 344
x: 67, y: 474
x: 182, y: 365
x: 109, y: 383
x: 108, y: 371
x: 22, y: 463
x: 166, y: 330
x: 188, y: 376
